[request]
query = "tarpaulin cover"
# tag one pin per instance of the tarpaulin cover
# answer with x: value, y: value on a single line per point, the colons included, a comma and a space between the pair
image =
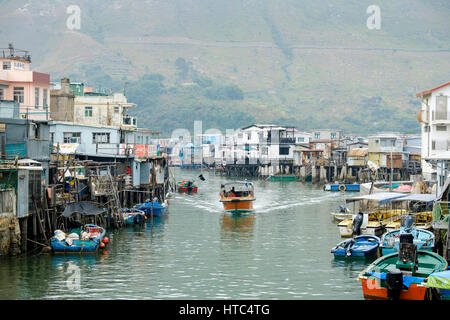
x: 439, y: 280
x: 417, y: 197
x: 83, y: 207
x: 381, y: 197
x: 407, y: 280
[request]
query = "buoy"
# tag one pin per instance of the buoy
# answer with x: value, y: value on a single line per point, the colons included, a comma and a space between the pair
x: 105, y: 240
x: 102, y: 245
x: 342, y: 187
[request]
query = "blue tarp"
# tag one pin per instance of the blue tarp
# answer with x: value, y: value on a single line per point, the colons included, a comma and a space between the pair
x: 407, y: 280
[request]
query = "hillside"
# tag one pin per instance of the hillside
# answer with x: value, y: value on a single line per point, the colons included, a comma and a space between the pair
x: 230, y: 63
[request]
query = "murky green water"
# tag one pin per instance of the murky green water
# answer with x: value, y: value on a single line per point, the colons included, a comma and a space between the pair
x: 281, y: 251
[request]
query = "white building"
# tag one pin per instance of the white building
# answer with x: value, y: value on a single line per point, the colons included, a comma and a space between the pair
x: 434, y: 117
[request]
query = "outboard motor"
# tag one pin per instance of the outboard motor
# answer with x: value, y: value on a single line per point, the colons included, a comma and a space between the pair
x: 357, y: 222
x: 408, y: 222
x: 394, y: 283
x: 407, y: 254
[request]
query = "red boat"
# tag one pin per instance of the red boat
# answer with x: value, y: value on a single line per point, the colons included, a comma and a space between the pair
x: 187, y: 186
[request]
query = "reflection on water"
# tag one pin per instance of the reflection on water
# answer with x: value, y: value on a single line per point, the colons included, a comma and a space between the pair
x: 196, y: 251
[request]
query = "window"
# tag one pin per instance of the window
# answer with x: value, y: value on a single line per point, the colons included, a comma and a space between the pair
x: 1, y: 94
x: 116, y: 109
x: 19, y: 65
x: 317, y: 135
x: 441, y: 128
x: 300, y: 139
x: 18, y: 94
x: 44, y: 98
x: 388, y: 143
x: 72, y: 137
x: 6, y: 65
x: 36, y: 98
x: 427, y: 128
x: 284, y: 151
x: 100, y: 137
x: 433, y: 145
x: 441, y: 108
x: 146, y: 140
x: 333, y: 135
x: 88, y: 111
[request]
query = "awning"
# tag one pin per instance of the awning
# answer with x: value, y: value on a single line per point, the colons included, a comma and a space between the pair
x: 439, y: 280
x: 83, y: 207
x: 417, y: 197
x: 381, y: 197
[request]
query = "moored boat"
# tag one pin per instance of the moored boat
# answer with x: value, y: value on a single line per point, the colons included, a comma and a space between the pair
x: 87, y: 239
x: 152, y: 208
x: 401, y: 275
x: 283, y: 177
x: 344, y: 213
x: 237, y: 197
x: 423, y: 239
x: 359, y: 246
x: 342, y: 187
x: 419, y: 205
x: 133, y: 216
x: 371, y: 220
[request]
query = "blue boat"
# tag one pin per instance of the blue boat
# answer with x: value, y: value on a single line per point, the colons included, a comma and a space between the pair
x: 83, y: 240
x: 133, y: 216
x: 359, y: 246
x: 158, y: 208
x: 342, y: 187
x: 423, y: 239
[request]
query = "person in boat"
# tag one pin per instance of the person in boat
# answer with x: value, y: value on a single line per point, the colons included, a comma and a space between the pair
x: 232, y: 193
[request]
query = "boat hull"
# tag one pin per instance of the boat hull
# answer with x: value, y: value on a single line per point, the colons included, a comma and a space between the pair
x: 342, y: 187
x: 187, y: 190
x: 373, y: 291
x: 158, y: 209
x: 237, y: 205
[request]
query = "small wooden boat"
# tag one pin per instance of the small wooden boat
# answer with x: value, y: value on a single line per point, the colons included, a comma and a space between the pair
x: 401, y: 275
x: 83, y: 240
x: 359, y: 246
x: 343, y: 214
x: 187, y: 186
x: 134, y: 216
x: 423, y: 239
x: 342, y: 187
x: 237, y: 197
x: 152, y: 208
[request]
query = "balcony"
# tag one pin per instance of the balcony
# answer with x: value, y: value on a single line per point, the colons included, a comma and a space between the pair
x: 129, y: 122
